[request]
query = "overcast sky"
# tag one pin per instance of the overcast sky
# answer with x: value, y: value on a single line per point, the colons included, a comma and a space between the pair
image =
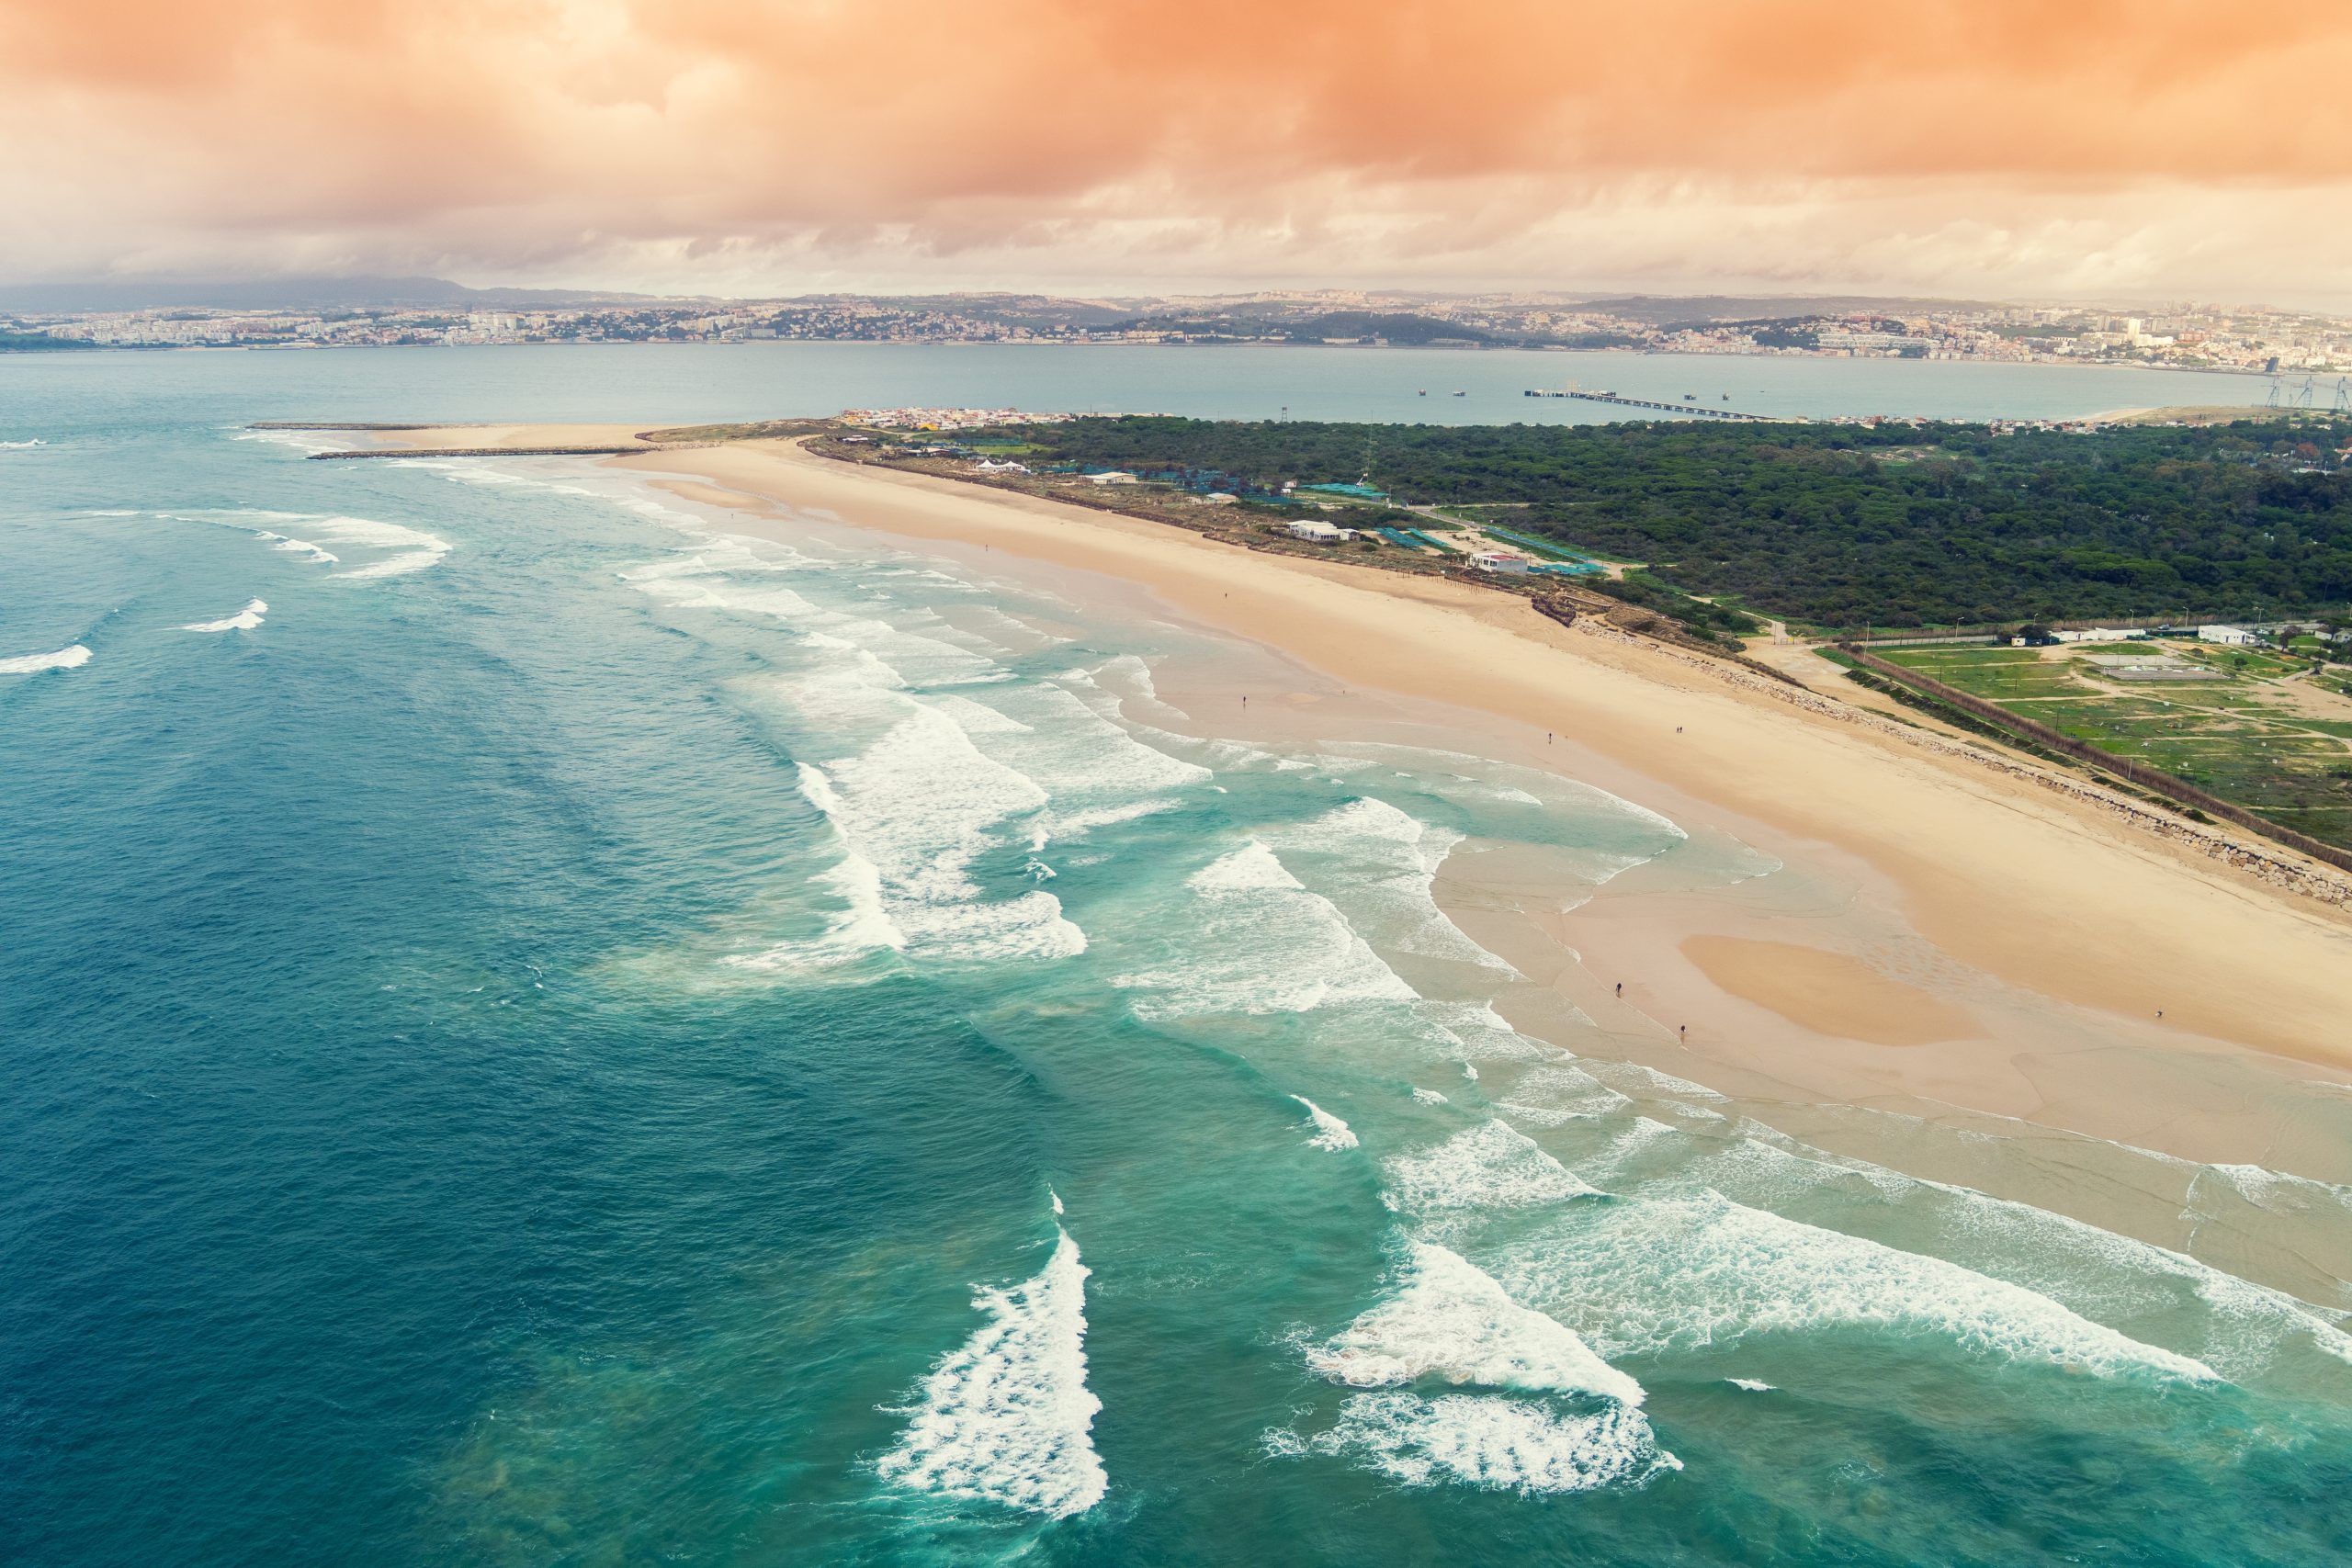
x: 1996, y: 149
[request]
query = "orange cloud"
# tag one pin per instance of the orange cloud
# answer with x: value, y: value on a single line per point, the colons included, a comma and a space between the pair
x: 793, y: 140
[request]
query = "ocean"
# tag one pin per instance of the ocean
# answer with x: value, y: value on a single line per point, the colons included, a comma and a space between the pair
x: 543, y: 1028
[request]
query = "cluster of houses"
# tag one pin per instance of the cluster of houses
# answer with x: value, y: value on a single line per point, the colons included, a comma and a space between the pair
x: 2226, y: 635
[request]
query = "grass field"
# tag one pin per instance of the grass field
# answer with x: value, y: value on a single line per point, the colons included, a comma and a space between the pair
x: 2251, y: 738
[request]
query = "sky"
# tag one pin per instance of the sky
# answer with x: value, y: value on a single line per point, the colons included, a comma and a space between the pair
x: 1995, y: 149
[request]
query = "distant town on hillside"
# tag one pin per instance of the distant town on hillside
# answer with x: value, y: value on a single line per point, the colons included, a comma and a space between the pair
x: 399, y: 313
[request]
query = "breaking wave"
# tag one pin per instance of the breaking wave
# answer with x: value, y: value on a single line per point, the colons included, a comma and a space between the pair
x: 1331, y: 1134
x: 1491, y: 1165
x: 243, y: 620
x: 1539, y: 1433
x: 1007, y: 1418
x: 72, y: 657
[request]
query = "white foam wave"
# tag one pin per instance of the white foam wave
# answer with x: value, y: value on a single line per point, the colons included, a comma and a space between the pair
x: 1500, y: 1444
x: 1752, y: 1385
x: 1389, y: 862
x: 297, y: 547
x: 408, y: 549
x: 920, y: 805
x: 1651, y: 1275
x: 1253, y: 866
x: 713, y: 593
x: 2094, y: 1271
x: 1070, y: 826
x: 1504, y: 782
x: 72, y: 657
x: 1450, y: 1319
x: 1007, y: 1418
x: 412, y: 549
x: 1262, y: 944
x: 1092, y: 770
x: 243, y: 620
x: 300, y: 440
x: 22, y: 445
x: 862, y: 926
x: 1491, y: 1165
x: 1554, y: 1095
x: 1330, y: 1133
x: 1475, y: 1031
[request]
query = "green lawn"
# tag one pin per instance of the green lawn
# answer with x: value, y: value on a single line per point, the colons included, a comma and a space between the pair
x: 2242, y: 739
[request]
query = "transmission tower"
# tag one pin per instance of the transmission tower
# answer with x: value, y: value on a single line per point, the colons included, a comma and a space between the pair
x: 2344, y: 394
x: 2277, y: 391
x: 2303, y: 396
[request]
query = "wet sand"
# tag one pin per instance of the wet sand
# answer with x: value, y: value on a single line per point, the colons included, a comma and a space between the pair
x: 1829, y: 992
x: 1946, y: 938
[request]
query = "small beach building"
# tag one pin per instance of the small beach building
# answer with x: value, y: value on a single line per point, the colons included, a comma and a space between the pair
x: 1320, y: 533
x: 1501, y: 560
x: 2229, y: 637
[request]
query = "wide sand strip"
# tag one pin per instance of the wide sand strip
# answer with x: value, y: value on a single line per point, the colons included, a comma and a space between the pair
x: 2004, y: 875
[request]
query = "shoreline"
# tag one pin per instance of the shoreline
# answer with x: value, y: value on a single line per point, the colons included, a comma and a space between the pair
x: 2047, y: 901
x: 1363, y: 624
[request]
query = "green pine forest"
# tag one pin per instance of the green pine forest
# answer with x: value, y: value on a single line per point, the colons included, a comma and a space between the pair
x: 1840, y: 525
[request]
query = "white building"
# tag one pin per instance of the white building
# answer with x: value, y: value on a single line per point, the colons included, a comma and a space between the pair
x: 1501, y: 560
x: 1116, y: 476
x: 1316, y: 533
x: 2234, y: 637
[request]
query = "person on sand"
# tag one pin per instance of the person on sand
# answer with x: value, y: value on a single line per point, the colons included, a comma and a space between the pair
x: 1620, y: 987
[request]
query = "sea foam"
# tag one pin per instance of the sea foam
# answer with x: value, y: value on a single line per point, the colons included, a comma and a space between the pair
x: 2096, y: 1272
x: 1387, y: 865
x: 1450, y: 1319
x: 1491, y: 1165
x: 1331, y: 1134
x: 1537, y: 1432
x: 410, y: 550
x: 1500, y: 1444
x: 1007, y: 1418
x: 920, y: 805
x: 243, y: 620
x: 1262, y: 944
x: 72, y: 657
x: 1652, y: 1275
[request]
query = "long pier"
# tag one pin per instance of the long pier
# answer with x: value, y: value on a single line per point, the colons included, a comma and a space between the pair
x: 1695, y: 410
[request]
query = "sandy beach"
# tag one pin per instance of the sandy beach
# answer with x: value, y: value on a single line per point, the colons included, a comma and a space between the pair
x: 2019, y: 935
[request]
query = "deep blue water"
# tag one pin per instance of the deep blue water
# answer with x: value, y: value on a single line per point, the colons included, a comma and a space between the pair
x: 539, y: 1050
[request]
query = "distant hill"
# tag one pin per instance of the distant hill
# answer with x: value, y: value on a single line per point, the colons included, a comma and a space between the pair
x: 1669, y: 309
x: 1396, y: 328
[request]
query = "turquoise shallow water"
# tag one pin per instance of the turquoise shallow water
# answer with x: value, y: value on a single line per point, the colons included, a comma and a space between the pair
x: 579, y: 1038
